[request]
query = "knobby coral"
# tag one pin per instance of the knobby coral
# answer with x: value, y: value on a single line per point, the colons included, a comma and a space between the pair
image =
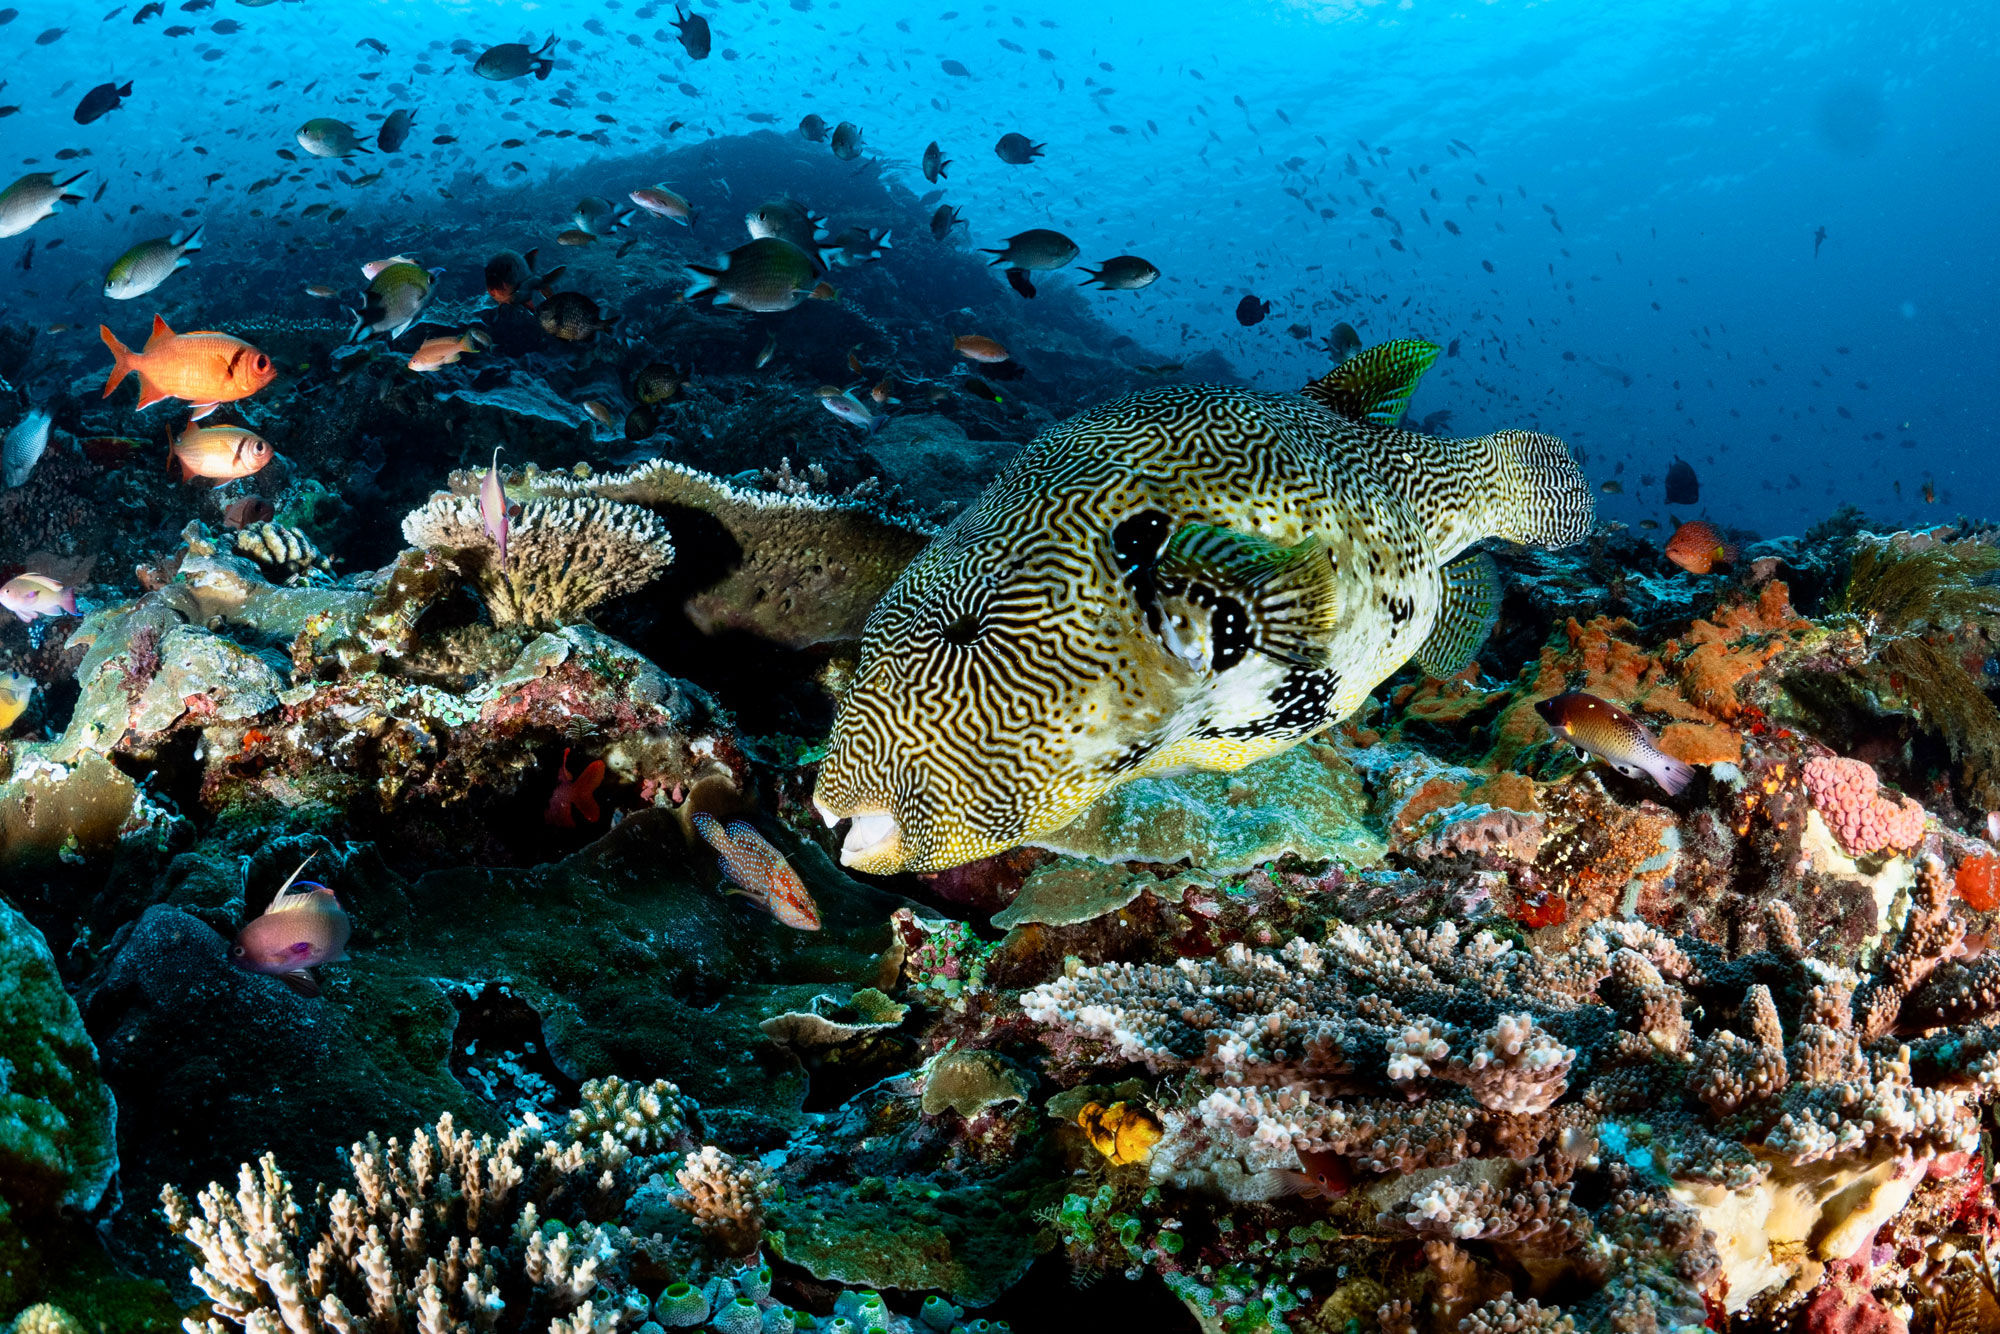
x: 1844, y: 792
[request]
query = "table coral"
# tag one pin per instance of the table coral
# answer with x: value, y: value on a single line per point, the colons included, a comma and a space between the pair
x: 563, y: 557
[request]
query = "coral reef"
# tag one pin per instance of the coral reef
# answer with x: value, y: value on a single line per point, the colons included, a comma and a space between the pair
x: 1426, y: 1024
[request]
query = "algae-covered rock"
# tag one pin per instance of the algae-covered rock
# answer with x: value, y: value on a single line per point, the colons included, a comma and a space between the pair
x: 1069, y: 891
x: 968, y: 1082
x: 50, y: 810
x: 58, y: 1125
x: 1306, y: 801
x: 908, y: 1234
x: 204, y: 673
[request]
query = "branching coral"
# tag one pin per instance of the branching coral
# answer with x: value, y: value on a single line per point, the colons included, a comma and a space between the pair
x: 563, y: 556
x: 725, y: 1198
x: 648, y: 1119
x: 446, y: 1233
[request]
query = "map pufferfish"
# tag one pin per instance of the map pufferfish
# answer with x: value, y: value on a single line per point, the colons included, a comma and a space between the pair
x: 1191, y: 576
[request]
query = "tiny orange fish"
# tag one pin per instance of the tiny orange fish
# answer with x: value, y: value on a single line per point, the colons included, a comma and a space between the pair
x: 978, y: 347
x: 575, y: 794
x: 1697, y: 547
x: 238, y: 514
x: 219, y: 453
x: 444, y: 350
x: 1325, y: 1176
x: 760, y: 872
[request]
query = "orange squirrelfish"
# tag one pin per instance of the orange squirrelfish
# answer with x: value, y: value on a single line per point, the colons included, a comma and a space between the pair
x: 1325, y: 1175
x: 760, y: 872
x: 1698, y: 548
x: 204, y: 368
x: 1600, y: 728
x: 220, y: 453
x: 575, y: 794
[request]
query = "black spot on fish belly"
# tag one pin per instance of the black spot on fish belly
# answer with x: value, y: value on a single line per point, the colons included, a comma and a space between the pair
x: 1229, y: 626
x: 1401, y: 609
x: 1301, y: 701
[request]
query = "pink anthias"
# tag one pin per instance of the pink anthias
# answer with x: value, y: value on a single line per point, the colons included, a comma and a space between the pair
x: 760, y: 872
x: 494, y: 513
x: 301, y: 929
x: 31, y: 595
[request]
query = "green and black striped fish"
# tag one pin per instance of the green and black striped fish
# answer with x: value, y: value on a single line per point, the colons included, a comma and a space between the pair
x: 1189, y: 576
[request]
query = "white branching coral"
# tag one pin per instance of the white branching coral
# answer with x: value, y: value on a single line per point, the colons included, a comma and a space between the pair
x: 648, y: 1119
x: 725, y: 1197
x: 445, y: 1234
x: 564, y: 556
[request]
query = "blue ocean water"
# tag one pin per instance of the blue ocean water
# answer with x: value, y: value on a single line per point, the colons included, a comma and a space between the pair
x: 1646, y: 182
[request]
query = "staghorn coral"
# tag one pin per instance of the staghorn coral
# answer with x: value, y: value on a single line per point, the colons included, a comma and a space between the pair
x: 564, y: 556
x: 445, y: 1233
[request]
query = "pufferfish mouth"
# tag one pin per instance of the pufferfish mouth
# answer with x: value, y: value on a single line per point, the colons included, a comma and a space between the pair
x: 869, y: 834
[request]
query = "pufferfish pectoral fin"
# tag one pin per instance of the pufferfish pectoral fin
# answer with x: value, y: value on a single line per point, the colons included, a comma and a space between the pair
x: 1472, y: 592
x: 1375, y: 385
x: 1286, y: 593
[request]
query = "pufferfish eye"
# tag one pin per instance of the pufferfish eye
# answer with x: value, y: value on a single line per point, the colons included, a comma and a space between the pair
x: 964, y: 631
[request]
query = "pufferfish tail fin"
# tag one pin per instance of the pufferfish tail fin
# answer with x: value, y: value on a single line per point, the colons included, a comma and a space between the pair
x: 1515, y: 485
x: 1534, y: 491
x: 1375, y: 385
x: 1472, y: 593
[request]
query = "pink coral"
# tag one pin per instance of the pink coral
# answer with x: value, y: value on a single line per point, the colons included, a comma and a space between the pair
x: 1845, y: 794
x: 1844, y: 1304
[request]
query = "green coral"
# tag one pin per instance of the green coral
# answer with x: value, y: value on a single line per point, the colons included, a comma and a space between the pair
x: 58, y: 1126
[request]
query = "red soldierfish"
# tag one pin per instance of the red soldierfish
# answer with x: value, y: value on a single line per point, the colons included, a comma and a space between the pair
x: 303, y: 928
x: 204, y: 368
x: 1597, y: 727
x: 575, y: 794
x: 760, y: 872
x: 493, y: 507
